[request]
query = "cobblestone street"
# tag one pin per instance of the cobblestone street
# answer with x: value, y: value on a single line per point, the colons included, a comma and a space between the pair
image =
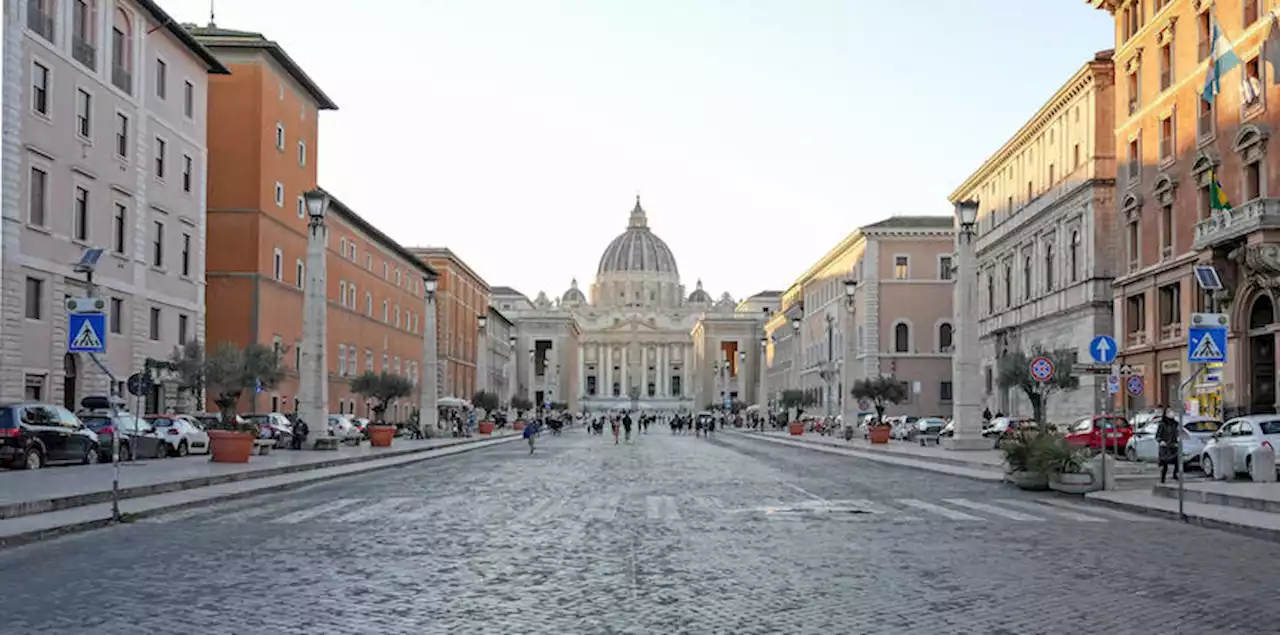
x: 668, y: 534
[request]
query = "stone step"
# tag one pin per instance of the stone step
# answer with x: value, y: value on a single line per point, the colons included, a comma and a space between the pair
x: 1263, y: 497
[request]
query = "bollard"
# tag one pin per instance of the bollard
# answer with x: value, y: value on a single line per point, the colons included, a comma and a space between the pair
x: 1262, y: 464
x: 1223, y: 457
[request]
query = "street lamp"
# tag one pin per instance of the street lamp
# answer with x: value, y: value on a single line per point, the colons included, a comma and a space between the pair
x: 428, y: 394
x: 511, y: 378
x: 482, y: 354
x: 762, y: 396
x: 966, y: 409
x: 848, y: 413
x: 313, y: 389
x: 967, y: 211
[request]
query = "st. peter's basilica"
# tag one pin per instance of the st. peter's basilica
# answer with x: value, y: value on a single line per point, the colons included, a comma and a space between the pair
x: 638, y: 341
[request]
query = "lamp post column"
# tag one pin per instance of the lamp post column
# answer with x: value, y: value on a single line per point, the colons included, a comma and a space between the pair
x: 762, y: 391
x: 967, y: 410
x: 313, y: 389
x: 512, y: 378
x: 428, y: 414
x: 795, y: 358
x: 482, y: 354
x: 849, y: 414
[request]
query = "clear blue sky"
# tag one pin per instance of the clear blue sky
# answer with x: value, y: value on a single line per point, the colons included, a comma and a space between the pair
x: 517, y: 132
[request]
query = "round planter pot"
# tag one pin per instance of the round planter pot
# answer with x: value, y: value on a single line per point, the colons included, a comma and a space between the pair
x: 518, y: 425
x: 381, y: 436
x: 879, y: 434
x: 1029, y: 480
x: 486, y: 427
x: 796, y: 428
x: 1072, y: 482
x: 230, y: 447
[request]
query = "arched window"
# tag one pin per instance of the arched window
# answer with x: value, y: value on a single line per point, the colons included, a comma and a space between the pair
x: 1073, y: 256
x: 1048, y: 267
x: 944, y: 337
x: 901, y: 338
x: 121, y: 51
x: 1008, y: 284
x: 1026, y: 277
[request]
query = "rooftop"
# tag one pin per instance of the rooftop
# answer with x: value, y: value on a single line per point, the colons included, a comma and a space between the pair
x: 376, y: 234
x: 218, y: 38
x: 184, y: 36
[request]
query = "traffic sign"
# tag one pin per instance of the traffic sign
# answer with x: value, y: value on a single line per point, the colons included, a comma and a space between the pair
x: 1113, y: 384
x: 1134, y: 385
x: 728, y: 403
x: 1103, y: 349
x: 86, y: 332
x: 138, y: 384
x: 1042, y: 369
x: 864, y: 404
x: 1091, y: 369
x: 1206, y: 344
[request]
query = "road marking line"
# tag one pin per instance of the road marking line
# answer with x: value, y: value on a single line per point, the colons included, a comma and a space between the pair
x: 807, y: 493
x: 670, y: 510
x: 602, y: 508
x: 1101, y: 511
x: 1050, y: 510
x: 937, y: 509
x: 384, y: 507
x: 653, y: 507
x: 992, y: 509
x: 318, y: 510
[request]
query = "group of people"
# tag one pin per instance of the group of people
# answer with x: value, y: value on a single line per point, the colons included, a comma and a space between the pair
x: 621, y: 425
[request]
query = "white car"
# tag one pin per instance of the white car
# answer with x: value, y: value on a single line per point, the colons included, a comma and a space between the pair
x: 182, y: 433
x: 1196, y: 432
x: 343, y: 427
x: 1247, y: 434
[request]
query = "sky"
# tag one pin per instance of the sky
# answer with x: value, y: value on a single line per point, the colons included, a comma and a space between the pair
x: 757, y: 132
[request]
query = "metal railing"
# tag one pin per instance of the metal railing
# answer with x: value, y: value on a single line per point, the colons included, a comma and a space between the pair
x: 84, y: 52
x: 122, y: 79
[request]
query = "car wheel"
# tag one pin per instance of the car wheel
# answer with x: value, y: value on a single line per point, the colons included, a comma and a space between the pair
x: 91, y: 456
x: 162, y: 450
x: 32, y: 459
x: 1131, y: 454
x: 182, y: 448
x: 1206, y: 466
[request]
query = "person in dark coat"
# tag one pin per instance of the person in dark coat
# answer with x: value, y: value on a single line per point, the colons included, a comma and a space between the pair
x: 1170, y: 447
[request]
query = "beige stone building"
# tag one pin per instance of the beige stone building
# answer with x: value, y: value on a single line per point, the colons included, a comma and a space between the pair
x: 1046, y: 238
x: 899, y: 321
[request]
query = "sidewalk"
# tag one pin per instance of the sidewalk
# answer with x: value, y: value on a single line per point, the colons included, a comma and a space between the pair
x: 982, y: 465
x: 1241, y: 507
x: 55, y: 500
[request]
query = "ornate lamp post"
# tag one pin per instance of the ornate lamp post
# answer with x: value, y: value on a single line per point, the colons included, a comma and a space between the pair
x: 795, y: 351
x: 964, y: 360
x: 828, y: 373
x: 313, y: 387
x: 511, y: 378
x: 482, y: 353
x: 428, y: 412
x: 849, y: 413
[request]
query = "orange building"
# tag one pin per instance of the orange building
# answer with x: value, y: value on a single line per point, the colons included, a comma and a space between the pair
x: 462, y: 297
x: 262, y: 157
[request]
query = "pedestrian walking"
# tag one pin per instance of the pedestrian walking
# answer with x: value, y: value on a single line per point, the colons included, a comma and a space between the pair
x: 626, y: 426
x: 300, y: 431
x: 1170, y: 447
x: 613, y: 421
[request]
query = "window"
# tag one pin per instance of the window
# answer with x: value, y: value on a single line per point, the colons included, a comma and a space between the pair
x: 1166, y: 231
x: 1131, y: 83
x: 186, y: 174
x: 1075, y: 156
x: 1134, y: 245
x: 83, y: 38
x: 40, y: 88
x: 1026, y: 277
x: 368, y: 360
x: 80, y: 221
x: 944, y: 267
x: 162, y: 79
x: 35, y: 299
x: 37, y: 202
x: 121, y: 52
x: 122, y: 135
x: 157, y: 245
x: 386, y: 311
x: 1136, y: 318
x: 302, y: 207
x: 84, y: 114
x: 342, y: 245
x: 279, y: 194
x: 302, y: 153
x: 299, y: 274
x: 182, y: 330
x: 1166, y: 138
x: 901, y: 338
x: 944, y: 338
x: 1048, y: 267
x: 1073, y: 255
x: 154, y: 326
x: 116, y: 318
x: 397, y: 316
x: 188, y: 100
x: 901, y: 267
x: 342, y: 292
x: 161, y: 147
x: 277, y: 264
x: 34, y: 388
x: 1135, y: 158
x: 991, y: 292
x: 186, y: 254
x: 1052, y: 175
x: 1252, y: 11
x: 1204, y: 203
x: 368, y: 304
x: 1204, y: 35
x: 944, y: 391
x: 1170, y: 309
x: 297, y: 359
x: 351, y: 296
x: 342, y: 360
x: 40, y: 17
x: 353, y: 364
x: 1008, y: 283
x: 279, y: 136
x: 1251, y: 88
x: 1166, y: 66
x: 118, y: 229
x: 1253, y: 181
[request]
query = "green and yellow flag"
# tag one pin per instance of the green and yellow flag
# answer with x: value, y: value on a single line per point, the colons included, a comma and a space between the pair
x: 1217, y: 198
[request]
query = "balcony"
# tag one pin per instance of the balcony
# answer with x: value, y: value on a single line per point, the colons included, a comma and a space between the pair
x: 1136, y: 338
x: 1170, y: 332
x: 1238, y: 222
x: 84, y: 52
x: 120, y: 78
x: 39, y: 21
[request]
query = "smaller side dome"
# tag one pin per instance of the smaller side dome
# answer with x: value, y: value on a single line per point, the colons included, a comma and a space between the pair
x: 699, y: 295
x: 574, y: 295
x: 542, y: 301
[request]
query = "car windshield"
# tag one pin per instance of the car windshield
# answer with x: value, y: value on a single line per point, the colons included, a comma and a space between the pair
x: 258, y: 420
x: 1207, y: 425
x: 161, y: 422
x: 6, y: 418
x: 96, y: 422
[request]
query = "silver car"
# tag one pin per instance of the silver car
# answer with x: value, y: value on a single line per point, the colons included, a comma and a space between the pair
x: 1196, y: 432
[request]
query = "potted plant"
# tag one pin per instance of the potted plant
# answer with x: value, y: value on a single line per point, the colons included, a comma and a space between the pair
x: 881, y: 392
x: 233, y: 370
x: 522, y: 405
x: 487, y: 402
x: 382, y: 389
x: 1064, y: 465
x: 1023, y: 460
x: 795, y: 399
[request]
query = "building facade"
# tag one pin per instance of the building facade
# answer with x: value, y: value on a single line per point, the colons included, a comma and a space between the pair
x: 263, y: 156
x: 1045, y: 239
x: 500, y: 356
x: 1173, y: 144
x: 105, y: 147
x: 900, y: 319
x: 462, y: 297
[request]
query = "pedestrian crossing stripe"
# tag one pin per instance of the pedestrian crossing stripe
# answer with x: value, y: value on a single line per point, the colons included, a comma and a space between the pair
x: 87, y: 338
x: 1206, y: 349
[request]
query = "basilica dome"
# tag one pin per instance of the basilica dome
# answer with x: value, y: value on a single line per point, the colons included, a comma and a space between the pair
x: 638, y: 250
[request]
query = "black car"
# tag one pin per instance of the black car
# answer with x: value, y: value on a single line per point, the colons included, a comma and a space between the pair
x: 138, y: 438
x: 33, y: 435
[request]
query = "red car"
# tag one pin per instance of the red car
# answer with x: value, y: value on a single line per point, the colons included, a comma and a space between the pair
x: 1088, y: 432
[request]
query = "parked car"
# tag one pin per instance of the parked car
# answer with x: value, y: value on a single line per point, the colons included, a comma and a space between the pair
x: 138, y: 439
x: 362, y: 425
x: 1247, y: 434
x: 1196, y: 432
x: 182, y: 433
x: 1092, y: 431
x: 33, y: 435
x: 273, y: 425
x: 930, y: 426
x: 342, y: 426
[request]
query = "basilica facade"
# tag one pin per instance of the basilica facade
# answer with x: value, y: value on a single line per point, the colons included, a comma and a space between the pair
x: 635, y: 340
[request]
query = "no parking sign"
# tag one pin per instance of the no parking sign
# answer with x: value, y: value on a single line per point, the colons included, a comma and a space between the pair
x: 1042, y: 369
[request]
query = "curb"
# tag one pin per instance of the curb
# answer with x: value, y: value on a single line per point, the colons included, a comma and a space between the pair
x: 1268, y: 535
x: 42, y: 506
x: 962, y: 471
x: 37, y: 535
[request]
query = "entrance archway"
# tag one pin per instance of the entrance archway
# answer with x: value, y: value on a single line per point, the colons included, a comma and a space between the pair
x: 69, y: 381
x: 1262, y: 356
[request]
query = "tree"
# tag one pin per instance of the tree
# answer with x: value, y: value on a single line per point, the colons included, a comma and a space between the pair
x: 485, y: 400
x: 189, y: 365
x: 1015, y: 372
x: 797, y: 399
x: 521, y: 403
x: 234, y: 370
x: 383, y: 388
x: 881, y: 391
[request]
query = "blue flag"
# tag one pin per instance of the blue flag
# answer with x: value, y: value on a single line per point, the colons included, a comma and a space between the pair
x: 1221, y: 60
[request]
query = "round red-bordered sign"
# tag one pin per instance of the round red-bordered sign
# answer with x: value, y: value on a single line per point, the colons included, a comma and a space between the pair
x: 1042, y: 369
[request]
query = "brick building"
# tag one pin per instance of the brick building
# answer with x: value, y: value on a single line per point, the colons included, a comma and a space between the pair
x: 462, y: 297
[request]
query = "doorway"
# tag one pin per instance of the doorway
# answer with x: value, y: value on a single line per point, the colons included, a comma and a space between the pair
x: 1262, y: 356
x: 69, y: 380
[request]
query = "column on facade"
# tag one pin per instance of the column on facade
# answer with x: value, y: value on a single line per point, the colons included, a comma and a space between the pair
x: 662, y: 369
x: 625, y: 372
x: 429, y: 391
x: 606, y: 362
x: 582, y: 370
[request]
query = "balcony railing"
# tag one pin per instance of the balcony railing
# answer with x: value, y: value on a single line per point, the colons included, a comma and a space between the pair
x: 1137, y: 338
x: 1228, y: 225
x: 38, y: 20
x: 120, y: 78
x: 84, y: 52
x: 1170, y: 331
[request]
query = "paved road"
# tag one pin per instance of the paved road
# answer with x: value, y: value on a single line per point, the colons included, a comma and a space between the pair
x: 666, y: 535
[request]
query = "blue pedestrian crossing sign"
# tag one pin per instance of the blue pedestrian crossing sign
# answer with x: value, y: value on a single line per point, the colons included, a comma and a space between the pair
x: 86, y: 332
x: 1206, y: 344
x: 1103, y: 349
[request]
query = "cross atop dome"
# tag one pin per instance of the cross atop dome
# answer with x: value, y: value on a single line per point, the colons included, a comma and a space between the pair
x: 638, y: 218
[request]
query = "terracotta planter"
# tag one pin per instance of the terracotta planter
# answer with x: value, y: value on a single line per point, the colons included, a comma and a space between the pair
x: 518, y: 425
x: 486, y: 427
x: 1029, y: 480
x: 879, y: 434
x: 230, y: 447
x: 381, y: 436
x: 796, y: 428
x: 1072, y: 482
